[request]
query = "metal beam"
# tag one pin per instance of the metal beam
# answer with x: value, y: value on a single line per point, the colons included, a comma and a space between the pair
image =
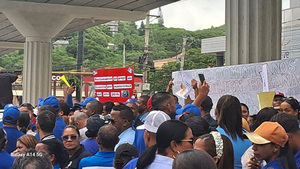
x: 11, y: 45
x: 74, y: 11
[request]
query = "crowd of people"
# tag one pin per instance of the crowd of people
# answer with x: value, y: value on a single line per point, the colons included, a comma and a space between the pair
x: 151, y: 132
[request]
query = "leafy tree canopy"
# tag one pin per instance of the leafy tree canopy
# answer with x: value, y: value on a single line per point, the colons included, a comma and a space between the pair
x: 104, y: 49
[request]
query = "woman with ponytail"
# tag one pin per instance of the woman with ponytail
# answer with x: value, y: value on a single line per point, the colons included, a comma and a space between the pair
x: 218, y: 147
x: 229, y: 115
x: 172, y: 137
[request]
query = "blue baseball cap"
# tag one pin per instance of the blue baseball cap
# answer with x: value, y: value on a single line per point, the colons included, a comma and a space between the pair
x: 191, y: 108
x: 50, y: 101
x: 178, y: 106
x: 131, y: 100
x: 86, y: 101
x: 11, y: 114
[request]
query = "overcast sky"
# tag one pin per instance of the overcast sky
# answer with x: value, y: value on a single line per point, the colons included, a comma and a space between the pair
x: 196, y: 14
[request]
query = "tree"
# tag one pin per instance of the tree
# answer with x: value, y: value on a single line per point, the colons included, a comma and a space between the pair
x: 127, y: 28
x: 161, y: 77
x: 61, y: 60
x: 194, y: 59
x: 142, y: 29
x: 164, y: 43
x: 12, y: 61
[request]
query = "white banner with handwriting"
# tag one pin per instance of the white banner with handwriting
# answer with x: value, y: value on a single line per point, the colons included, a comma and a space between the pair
x: 244, y: 81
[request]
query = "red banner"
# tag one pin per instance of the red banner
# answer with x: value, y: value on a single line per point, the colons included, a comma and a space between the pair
x: 114, y: 85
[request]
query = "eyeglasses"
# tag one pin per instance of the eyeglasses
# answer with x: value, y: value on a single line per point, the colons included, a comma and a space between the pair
x: 188, y: 140
x: 67, y: 137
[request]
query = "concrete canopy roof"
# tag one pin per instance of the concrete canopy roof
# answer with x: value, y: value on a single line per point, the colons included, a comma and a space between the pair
x: 86, y: 13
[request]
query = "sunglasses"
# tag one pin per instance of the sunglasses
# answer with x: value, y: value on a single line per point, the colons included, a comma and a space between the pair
x: 67, y: 137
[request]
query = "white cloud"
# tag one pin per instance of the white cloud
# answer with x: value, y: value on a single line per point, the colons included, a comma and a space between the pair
x: 196, y: 14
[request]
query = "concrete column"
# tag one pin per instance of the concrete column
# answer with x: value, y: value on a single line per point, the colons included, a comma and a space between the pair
x: 37, y: 69
x: 253, y: 31
x: 38, y: 27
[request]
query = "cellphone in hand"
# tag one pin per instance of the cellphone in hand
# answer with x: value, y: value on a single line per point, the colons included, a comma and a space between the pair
x: 201, y: 77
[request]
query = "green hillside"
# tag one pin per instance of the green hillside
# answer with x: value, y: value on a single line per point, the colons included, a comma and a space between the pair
x: 164, y: 43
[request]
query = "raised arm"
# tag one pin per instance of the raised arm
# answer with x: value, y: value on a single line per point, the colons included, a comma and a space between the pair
x: 203, y: 91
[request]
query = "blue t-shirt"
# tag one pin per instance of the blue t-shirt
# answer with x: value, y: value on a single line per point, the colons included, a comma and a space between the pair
x: 6, y: 161
x: 69, y: 101
x: 32, y: 126
x: 59, y: 128
x: 126, y: 136
x: 143, y: 117
x: 139, y: 141
x: 276, y: 164
x: 159, y: 162
x: 12, y: 136
x: 91, y: 145
x: 131, y: 164
x: 56, y: 167
x: 100, y: 159
x: 297, y: 157
x: 239, y: 147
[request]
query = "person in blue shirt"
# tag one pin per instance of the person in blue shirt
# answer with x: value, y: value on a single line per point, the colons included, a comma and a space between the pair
x: 136, y: 122
x: 172, y: 138
x: 291, y: 126
x: 146, y: 134
x: 86, y: 101
x: 122, y: 117
x: 142, y: 107
x: 229, y: 114
x: 163, y: 102
x: 206, y: 107
x: 107, y: 139
x: 10, y: 117
x: 53, y: 102
x: 93, y: 107
x: 45, y: 124
x: 270, y: 144
x: 93, y: 124
x: 6, y: 161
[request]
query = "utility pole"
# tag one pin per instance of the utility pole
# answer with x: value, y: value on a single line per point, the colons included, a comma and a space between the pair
x: 183, y: 53
x: 146, y: 48
x: 124, y: 55
x: 80, y: 50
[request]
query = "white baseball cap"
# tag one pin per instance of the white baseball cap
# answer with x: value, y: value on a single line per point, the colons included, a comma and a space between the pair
x: 155, y: 119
